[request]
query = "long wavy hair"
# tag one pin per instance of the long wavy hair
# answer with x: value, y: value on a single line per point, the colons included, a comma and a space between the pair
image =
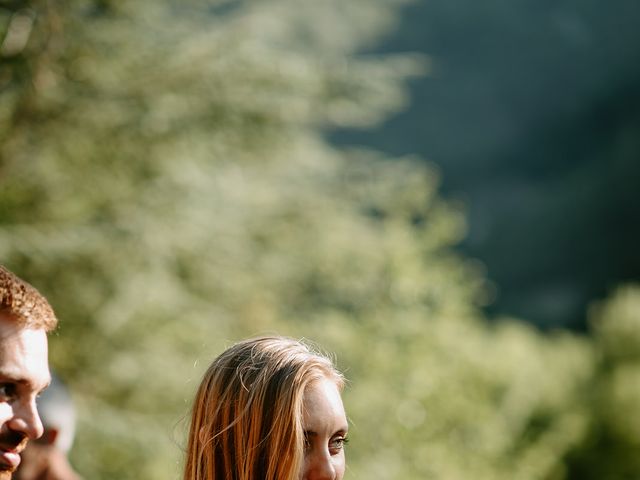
x: 246, y: 419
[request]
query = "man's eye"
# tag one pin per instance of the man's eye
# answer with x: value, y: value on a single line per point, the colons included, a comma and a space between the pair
x: 7, y: 391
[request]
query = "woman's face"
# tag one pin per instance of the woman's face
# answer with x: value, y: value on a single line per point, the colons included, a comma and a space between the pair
x: 325, y: 429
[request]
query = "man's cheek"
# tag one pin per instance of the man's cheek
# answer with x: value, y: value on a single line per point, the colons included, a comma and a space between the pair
x: 5, y: 414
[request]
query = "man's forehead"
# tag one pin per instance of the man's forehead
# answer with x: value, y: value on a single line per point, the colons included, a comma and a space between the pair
x: 12, y: 328
x: 9, y: 325
x: 23, y: 354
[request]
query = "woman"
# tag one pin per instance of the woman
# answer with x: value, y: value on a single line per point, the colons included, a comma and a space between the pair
x: 268, y: 409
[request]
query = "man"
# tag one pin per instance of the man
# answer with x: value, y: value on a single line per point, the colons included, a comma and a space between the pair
x: 46, y: 458
x: 25, y: 319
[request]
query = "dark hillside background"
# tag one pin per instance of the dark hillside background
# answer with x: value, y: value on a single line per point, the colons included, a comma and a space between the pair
x: 532, y: 113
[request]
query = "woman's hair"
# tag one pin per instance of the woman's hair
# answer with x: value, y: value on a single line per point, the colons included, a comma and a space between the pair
x: 247, y: 415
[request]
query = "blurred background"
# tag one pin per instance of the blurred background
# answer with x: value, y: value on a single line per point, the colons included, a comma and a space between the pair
x: 531, y: 110
x: 442, y: 193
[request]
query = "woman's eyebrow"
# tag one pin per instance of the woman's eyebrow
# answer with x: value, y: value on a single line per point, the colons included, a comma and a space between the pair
x: 311, y: 433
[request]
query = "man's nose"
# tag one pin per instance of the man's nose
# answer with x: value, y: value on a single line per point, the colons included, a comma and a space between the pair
x: 26, y: 420
x: 320, y: 467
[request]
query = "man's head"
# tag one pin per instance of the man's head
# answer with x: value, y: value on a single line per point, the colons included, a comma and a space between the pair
x: 25, y: 319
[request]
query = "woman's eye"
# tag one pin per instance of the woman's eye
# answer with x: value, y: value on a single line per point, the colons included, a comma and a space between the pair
x: 337, y: 444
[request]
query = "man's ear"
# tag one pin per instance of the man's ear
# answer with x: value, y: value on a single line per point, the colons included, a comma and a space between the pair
x: 49, y: 436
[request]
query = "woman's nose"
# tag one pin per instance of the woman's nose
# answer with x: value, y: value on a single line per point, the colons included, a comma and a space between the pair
x: 319, y: 466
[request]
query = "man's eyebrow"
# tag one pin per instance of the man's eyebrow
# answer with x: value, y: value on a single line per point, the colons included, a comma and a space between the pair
x: 7, y: 377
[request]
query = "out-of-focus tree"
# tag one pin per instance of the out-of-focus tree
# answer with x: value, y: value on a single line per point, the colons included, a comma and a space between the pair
x: 166, y: 183
x: 611, y: 450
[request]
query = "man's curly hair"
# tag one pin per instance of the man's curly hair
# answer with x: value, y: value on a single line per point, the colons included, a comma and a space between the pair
x: 24, y: 303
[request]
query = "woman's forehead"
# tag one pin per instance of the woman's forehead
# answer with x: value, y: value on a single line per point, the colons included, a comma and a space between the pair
x: 322, y: 407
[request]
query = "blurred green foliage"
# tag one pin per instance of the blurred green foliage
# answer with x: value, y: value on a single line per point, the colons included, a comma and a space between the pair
x: 166, y: 183
x: 611, y: 449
